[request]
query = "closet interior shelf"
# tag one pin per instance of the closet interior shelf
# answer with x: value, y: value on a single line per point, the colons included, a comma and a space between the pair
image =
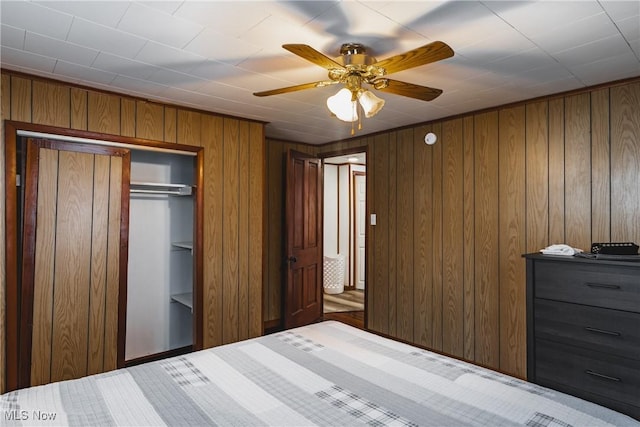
x: 185, y: 299
x: 156, y: 188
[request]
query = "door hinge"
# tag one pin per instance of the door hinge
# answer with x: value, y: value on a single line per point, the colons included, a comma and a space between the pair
x: 17, y: 180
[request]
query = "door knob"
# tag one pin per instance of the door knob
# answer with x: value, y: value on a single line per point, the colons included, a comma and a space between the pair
x: 293, y: 259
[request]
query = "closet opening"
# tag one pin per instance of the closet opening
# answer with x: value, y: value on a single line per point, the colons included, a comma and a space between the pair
x: 161, y: 265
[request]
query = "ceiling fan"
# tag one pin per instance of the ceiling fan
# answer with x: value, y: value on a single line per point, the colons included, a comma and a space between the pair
x: 354, y: 67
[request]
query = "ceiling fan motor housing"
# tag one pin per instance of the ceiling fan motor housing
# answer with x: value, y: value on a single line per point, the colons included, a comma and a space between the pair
x: 354, y: 54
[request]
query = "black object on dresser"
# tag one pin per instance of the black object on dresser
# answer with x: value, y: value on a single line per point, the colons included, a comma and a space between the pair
x: 583, y: 328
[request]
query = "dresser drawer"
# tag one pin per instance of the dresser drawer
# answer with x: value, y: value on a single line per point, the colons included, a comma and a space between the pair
x: 601, y: 329
x: 585, y: 283
x: 599, y: 374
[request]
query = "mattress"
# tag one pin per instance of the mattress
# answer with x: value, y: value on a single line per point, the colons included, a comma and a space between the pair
x: 325, y: 374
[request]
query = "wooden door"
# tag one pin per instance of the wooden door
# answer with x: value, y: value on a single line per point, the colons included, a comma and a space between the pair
x: 73, y: 275
x: 303, y: 289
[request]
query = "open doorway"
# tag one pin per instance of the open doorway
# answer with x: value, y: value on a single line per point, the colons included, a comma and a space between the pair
x: 344, y: 216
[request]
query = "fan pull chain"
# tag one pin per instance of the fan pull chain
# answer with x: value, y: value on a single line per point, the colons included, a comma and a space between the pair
x: 354, y: 112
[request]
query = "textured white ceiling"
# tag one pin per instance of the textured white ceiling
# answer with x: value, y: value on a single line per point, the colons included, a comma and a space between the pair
x: 213, y: 55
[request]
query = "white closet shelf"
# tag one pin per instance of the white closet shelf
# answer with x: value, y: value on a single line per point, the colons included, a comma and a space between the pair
x: 183, y: 245
x: 185, y: 299
x: 157, y: 188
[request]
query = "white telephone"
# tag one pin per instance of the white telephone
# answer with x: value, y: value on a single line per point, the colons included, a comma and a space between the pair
x: 560, y: 249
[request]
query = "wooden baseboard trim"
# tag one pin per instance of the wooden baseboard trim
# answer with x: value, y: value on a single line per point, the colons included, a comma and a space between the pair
x: 271, y: 326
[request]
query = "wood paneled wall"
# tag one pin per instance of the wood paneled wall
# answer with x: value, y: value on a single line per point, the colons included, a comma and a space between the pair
x: 234, y: 176
x: 444, y: 266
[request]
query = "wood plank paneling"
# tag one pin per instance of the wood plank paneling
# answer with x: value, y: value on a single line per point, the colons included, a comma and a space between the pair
x: 21, y: 99
x: 512, y: 240
x: 189, y: 127
x: 212, y: 141
x: 51, y: 104
x: 452, y: 238
x: 487, y: 239
x: 380, y: 293
x: 436, y: 248
x: 577, y: 167
x: 103, y: 113
x: 99, y: 251
x: 556, y: 172
x: 149, y: 120
x: 469, y: 239
x: 392, y: 216
x: 230, y: 231
x: 44, y: 267
x: 422, y: 242
x: 600, y: 172
x: 5, y: 100
x: 79, y: 100
x: 243, y: 231
x: 405, y: 232
x: 170, y: 124
x: 537, y: 178
x: 119, y: 172
x: 369, y: 231
x: 625, y: 163
x: 72, y: 266
x: 256, y: 222
x: 128, y: 117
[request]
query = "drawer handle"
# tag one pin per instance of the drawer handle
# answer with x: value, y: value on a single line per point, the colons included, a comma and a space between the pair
x: 603, y: 376
x: 602, y: 285
x: 602, y: 331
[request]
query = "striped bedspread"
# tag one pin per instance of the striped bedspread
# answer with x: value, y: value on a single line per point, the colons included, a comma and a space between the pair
x: 326, y: 374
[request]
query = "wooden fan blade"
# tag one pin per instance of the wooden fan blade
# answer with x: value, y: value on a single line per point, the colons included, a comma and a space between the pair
x: 295, y: 88
x: 310, y: 54
x: 426, y: 54
x: 412, y: 91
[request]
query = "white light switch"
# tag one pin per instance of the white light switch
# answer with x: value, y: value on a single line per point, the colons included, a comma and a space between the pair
x: 373, y: 219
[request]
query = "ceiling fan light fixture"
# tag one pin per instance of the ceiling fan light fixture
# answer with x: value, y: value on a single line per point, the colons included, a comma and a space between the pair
x: 371, y: 104
x: 343, y: 105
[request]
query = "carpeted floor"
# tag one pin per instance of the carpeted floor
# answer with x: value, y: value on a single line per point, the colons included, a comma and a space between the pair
x: 345, y: 301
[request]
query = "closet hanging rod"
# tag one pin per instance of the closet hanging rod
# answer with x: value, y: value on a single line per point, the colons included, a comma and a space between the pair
x: 155, y: 188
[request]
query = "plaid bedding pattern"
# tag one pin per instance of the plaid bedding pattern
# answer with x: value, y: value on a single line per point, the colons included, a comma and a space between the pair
x: 325, y: 374
x: 368, y: 412
x: 184, y: 373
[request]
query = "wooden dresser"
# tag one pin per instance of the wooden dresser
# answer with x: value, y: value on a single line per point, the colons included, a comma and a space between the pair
x: 583, y: 328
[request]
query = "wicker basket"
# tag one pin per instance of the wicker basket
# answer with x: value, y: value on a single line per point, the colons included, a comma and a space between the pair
x: 333, y: 269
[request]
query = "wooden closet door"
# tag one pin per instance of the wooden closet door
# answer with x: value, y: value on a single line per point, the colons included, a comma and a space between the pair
x: 75, y: 235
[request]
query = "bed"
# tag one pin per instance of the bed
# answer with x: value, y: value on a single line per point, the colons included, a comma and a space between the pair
x: 327, y: 374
